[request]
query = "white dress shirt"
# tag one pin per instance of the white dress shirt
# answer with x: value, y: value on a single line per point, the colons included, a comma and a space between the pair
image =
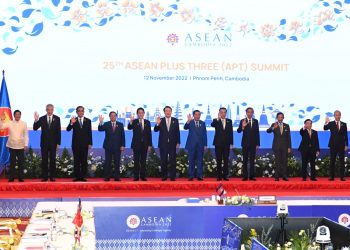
x: 18, y: 134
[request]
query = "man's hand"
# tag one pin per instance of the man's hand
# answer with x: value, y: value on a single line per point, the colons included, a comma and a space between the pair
x: 256, y: 147
x: 346, y: 148
x: 158, y: 120
x: 36, y: 116
x: 132, y: 118
x: 89, y: 147
x: 244, y: 123
x: 327, y: 120
x: 189, y: 118
x: 122, y: 148
x: 177, y: 145
x: 289, y: 150
x: 100, y: 119
x: 275, y: 125
x: 25, y: 148
x: 317, y: 153
x: 205, y: 148
x: 149, y: 149
x: 73, y: 120
x: 219, y: 117
x: 57, y: 147
x: 231, y: 146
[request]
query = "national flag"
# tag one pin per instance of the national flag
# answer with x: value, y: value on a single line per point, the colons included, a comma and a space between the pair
x: 220, y: 190
x: 78, y: 219
x: 5, y: 110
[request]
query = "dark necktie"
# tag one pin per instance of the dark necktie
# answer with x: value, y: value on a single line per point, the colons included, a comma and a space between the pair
x: 197, y: 124
x: 80, y: 123
x: 113, y: 126
x: 50, y: 121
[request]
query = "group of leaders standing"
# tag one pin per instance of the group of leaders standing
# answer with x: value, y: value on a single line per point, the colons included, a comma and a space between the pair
x: 169, y: 141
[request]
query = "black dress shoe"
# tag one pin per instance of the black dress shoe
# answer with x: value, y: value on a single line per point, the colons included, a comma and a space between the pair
x: 252, y: 179
x: 116, y: 179
x: 164, y: 179
x: 342, y: 179
x: 144, y: 179
x: 136, y: 179
x: 11, y: 180
x: 20, y: 180
x: 106, y: 179
x: 44, y: 180
x: 200, y: 179
x: 285, y: 178
x: 83, y: 180
x: 190, y: 179
x: 226, y: 179
x: 172, y: 179
x: 277, y: 179
x: 52, y: 179
x: 218, y: 179
x: 76, y: 179
x: 245, y: 179
x: 331, y: 178
x: 304, y: 179
x: 313, y: 179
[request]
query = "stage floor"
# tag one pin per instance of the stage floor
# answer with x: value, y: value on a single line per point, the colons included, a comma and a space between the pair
x: 127, y: 188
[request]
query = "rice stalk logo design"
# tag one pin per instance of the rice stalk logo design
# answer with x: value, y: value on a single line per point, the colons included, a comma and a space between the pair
x: 172, y: 39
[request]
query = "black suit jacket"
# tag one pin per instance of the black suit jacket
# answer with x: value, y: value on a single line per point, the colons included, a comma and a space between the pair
x: 338, y: 138
x: 223, y: 137
x: 280, y: 140
x: 50, y: 136
x: 251, y: 135
x: 140, y: 138
x: 113, y: 140
x: 171, y: 137
x: 82, y: 136
x: 307, y: 142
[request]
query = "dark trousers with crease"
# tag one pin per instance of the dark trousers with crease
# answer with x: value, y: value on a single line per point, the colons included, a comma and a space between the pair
x: 16, y: 158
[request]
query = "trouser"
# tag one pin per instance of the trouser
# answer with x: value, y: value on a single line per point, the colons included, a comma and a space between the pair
x: 140, y: 156
x: 47, y: 153
x: 334, y: 153
x: 80, y: 162
x: 249, y: 153
x: 222, y: 154
x: 308, y: 156
x: 112, y: 155
x: 195, y: 158
x: 168, y: 156
x: 16, y: 156
x: 281, y: 155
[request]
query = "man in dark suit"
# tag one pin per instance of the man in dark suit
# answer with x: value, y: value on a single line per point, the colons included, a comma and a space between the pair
x: 113, y: 144
x: 223, y: 142
x: 141, y: 143
x: 81, y: 142
x: 168, y: 142
x: 281, y: 145
x: 309, y: 148
x: 196, y: 144
x: 338, y: 143
x: 50, y: 140
x: 250, y: 143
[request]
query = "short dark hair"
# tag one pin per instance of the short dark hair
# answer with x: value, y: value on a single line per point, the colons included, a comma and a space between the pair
x: 17, y: 111
x: 139, y: 110
x: 167, y: 107
x: 194, y: 111
x: 223, y: 109
x: 246, y: 110
x: 279, y: 113
x: 308, y: 120
x: 112, y: 112
x: 79, y: 107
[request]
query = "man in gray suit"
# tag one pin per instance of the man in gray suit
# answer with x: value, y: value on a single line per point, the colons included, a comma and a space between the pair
x: 281, y: 145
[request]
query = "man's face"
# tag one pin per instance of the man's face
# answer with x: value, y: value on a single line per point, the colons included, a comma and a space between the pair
x: 49, y: 110
x: 337, y: 116
x: 222, y: 113
x: 197, y: 116
x: 17, y: 116
x: 280, y: 118
x: 308, y: 124
x: 167, y: 112
x: 140, y: 114
x: 80, y: 112
x: 113, y: 117
x: 249, y: 113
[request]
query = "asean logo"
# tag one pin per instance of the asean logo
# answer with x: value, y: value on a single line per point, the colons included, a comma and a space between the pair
x: 172, y: 39
x: 344, y: 219
x: 133, y: 221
